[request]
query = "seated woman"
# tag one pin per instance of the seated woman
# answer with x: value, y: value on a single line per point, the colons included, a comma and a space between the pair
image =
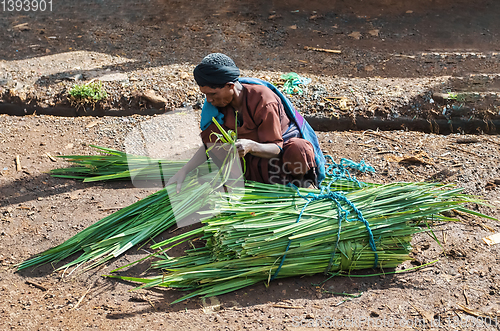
x: 278, y: 145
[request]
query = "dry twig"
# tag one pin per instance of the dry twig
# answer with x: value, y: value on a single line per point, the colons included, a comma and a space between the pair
x: 491, y: 141
x: 473, y: 312
x: 51, y: 157
x: 18, y: 163
x: 465, y: 296
x: 383, y: 136
x: 38, y: 286
x: 335, y: 51
x: 287, y: 307
x: 84, y: 294
x: 463, y: 150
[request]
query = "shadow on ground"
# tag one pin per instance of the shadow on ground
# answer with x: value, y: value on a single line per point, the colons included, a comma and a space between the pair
x: 259, y: 34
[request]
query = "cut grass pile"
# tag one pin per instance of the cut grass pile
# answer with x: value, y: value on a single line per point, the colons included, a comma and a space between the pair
x: 257, y: 237
x: 117, y: 165
x: 260, y: 232
x: 115, y: 234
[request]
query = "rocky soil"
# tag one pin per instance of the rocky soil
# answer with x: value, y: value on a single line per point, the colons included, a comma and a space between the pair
x: 38, y: 212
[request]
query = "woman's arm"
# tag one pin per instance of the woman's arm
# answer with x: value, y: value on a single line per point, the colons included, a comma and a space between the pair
x: 198, y: 158
x: 263, y: 150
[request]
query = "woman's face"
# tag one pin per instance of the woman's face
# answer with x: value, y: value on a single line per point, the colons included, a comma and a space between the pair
x: 219, y: 97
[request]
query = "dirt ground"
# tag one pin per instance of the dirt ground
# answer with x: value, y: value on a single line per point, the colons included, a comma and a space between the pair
x: 394, y: 53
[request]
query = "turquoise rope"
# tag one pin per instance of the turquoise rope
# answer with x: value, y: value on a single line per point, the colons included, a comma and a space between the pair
x: 336, y: 171
x: 340, y: 170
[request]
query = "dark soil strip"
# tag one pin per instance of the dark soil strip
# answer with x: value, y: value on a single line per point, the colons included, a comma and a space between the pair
x: 442, y: 126
x: 20, y: 110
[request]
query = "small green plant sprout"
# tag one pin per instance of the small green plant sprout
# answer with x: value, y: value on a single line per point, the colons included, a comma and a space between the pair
x: 460, y: 97
x: 452, y: 96
x: 89, y: 93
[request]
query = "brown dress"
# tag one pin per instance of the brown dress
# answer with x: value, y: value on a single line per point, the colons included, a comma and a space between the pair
x: 262, y: 118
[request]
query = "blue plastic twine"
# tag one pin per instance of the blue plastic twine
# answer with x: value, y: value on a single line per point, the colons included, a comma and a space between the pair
x: 336, y: 171
x: 339, y: 170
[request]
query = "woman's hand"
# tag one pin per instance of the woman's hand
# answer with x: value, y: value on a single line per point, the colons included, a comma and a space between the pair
x: 244, y: 146
x: 198, y: 158
x: 177, y: 178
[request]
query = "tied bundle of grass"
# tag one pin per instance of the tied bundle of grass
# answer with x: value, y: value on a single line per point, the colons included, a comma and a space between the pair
x: 115, y: 234
x: 272, y: 231
x: 117, y: 165
x: 141, y: 221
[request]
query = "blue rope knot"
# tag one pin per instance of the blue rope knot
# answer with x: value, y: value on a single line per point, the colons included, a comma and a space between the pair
x: 336, y: 171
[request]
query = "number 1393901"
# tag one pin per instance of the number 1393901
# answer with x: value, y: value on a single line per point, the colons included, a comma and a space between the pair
x: 26, y: 5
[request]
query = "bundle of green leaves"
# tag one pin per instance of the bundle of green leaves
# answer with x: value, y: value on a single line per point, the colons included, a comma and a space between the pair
x: 272, y: 231
x: 116, y: 165
x: 115, y: 234
x: 260, y: 231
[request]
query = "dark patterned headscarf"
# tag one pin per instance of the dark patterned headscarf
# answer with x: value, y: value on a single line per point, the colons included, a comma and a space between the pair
x: 216, y: 69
